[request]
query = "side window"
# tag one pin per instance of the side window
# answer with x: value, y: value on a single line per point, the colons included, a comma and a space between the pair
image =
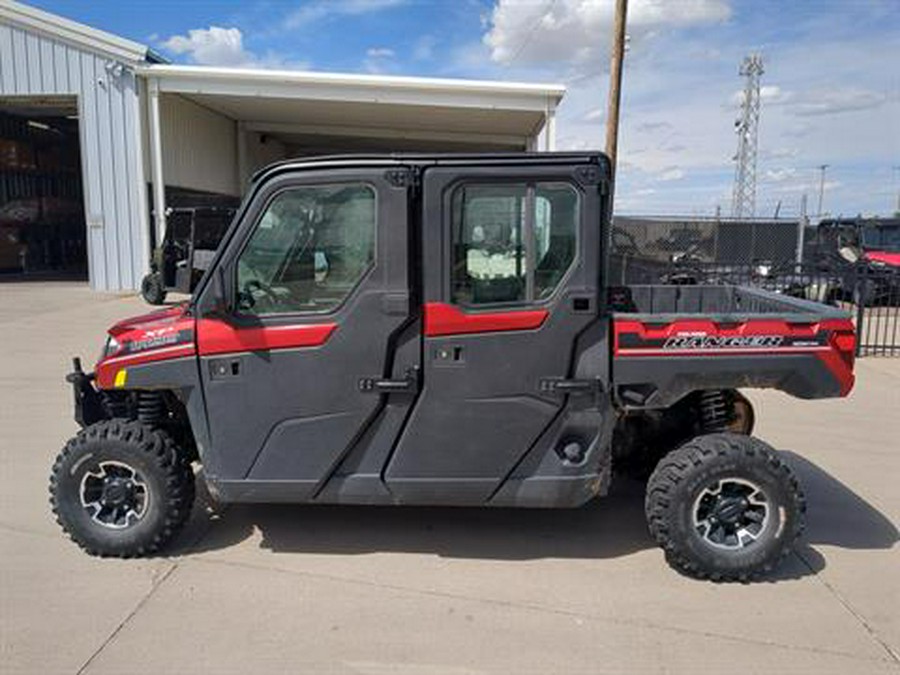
x: 511, y: 243
x: 309, y: 249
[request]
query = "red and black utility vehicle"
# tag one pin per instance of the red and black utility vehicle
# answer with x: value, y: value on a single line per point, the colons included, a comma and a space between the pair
x: 438, y: 330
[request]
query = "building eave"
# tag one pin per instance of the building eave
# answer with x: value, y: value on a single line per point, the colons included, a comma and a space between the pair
x: 72, y: 32
x: 305, y: 84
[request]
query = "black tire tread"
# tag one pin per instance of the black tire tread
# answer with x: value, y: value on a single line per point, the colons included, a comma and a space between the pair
x: 152, y: 289
x: 673, y: 469
x: 161, y: 449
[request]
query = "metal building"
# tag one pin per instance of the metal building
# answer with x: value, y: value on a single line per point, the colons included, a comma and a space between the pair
x: 147, y: 135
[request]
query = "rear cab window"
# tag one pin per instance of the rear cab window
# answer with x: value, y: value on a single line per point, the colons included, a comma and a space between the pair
x: 511, y: 244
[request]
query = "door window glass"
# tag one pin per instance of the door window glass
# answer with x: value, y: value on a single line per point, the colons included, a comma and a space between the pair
x: 309, y: 250
x: 511, y: 243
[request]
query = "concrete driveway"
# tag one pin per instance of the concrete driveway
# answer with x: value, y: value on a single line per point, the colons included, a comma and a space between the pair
x: 377, y: 590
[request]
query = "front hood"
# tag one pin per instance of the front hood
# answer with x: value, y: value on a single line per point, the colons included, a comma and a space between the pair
x: 161, y: 335
x: 156, y: 320
x: 892, y: 259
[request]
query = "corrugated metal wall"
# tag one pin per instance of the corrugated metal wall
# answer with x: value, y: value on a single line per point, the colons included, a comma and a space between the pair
x: 199, y: 146
x: 108, y: 107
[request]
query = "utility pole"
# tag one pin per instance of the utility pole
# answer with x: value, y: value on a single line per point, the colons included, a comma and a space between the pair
x: 896, y: 169
x: 822, y: 169
x: 743, y: 200
x: 615, y: 83
x: 802, y: 223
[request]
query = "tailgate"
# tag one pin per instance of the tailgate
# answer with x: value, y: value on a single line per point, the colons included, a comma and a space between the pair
x: 657, y: 359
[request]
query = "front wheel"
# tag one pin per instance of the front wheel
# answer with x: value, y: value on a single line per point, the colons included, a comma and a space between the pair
x: 121, y: 489
x: 724, y: 507
x: 152, y: 289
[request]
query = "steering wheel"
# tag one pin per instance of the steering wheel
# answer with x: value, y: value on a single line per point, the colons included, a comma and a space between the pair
x: 255, y: 289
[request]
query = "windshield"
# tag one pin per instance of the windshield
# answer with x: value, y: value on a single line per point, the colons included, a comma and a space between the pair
x: 882, y: 238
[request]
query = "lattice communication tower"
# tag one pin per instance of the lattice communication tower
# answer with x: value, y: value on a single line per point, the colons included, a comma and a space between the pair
x: 743, y: 200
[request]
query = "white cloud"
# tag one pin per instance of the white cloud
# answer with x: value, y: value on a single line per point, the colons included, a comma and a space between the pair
x: 217, y: 46
x: 325, y: 9
x: 810, y: 187
x: 770, y: 94
x: 423, y: 50
x: 779, y: 175
x: 577, y: 31
x: 671, y: 173
x: 211, y: 46
x: 768, y: 154
x: 837, y: 100
x: 378, y: 60
x: 648, y: 127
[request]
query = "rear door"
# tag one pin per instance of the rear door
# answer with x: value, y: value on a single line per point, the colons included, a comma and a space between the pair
x: 511, y: 270
x: 318, y: 269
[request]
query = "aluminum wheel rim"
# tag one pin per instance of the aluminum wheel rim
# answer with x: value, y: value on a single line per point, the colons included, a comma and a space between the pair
x: 731, y: 513
x: 115, y: 496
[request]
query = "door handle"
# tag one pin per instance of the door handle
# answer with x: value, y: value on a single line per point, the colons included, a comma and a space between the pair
x: 224, y: 369
x: 377, y: 385
x: 563, y: 386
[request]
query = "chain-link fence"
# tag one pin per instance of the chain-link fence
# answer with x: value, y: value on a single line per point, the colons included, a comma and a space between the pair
x: 782, y: 256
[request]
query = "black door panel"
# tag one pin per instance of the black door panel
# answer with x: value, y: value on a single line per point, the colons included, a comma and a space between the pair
x: 507, y: 322
x: 295, y: 408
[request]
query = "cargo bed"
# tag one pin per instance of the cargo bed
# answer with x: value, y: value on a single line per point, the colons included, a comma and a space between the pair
x: 670, y: 340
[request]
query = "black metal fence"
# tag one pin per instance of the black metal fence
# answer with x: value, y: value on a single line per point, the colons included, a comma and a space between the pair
x: 762, y: 254
x: 877, y: 302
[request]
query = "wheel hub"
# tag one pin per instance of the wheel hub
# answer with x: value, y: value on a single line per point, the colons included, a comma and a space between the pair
x: 731, y: 513
x: 115, y: 495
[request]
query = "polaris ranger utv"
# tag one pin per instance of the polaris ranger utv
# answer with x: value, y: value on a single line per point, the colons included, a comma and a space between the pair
x: 438, y: 330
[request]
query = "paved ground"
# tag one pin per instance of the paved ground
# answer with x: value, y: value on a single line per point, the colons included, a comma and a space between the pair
x: 350, y: 590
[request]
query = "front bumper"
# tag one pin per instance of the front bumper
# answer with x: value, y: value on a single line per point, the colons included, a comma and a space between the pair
x: 88, y: 402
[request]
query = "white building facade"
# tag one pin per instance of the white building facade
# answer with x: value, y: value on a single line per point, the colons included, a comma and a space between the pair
x: 203, y: 132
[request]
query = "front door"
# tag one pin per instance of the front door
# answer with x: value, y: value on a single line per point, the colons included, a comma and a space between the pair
x: 318, y: 273
x: 511, y: 260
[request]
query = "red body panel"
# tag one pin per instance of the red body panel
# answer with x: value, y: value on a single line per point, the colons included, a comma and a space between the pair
x: 833, y: 341
x: 892, y: 259
x: 165, y: 334
x: 160, y: 318
x: 172, y: 334
x: 218, y: 337
x: 444, y: 319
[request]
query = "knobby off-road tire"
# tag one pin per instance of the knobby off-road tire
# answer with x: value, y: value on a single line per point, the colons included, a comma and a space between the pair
x: 152, y: 289
x: 121, y: 489
x: 724, y: 507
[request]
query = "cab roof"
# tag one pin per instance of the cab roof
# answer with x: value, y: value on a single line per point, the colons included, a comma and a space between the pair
x: 432, y: 159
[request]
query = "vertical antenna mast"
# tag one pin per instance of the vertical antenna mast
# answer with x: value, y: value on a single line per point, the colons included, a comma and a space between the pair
x: 743, y: 200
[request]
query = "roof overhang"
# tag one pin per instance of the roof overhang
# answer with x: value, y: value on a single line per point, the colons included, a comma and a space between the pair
x: 66, y: 30
x: 352, y: 87
x: 302, y: 104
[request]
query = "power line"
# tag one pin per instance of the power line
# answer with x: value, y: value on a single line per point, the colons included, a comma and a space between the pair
x: 547, y: 9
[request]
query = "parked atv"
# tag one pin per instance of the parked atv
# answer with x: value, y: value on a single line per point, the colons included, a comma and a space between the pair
x: 439, y: 330
x: 190, y: 242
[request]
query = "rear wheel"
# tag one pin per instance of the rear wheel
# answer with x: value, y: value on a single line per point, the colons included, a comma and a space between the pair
x: 121, y: 489
x: 152, y: 289
x: 724, y: 507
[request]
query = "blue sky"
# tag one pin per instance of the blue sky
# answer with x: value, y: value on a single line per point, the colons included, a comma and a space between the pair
x: 831, y: 90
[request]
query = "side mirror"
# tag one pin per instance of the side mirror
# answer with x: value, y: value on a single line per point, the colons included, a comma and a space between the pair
x: 849, y: 253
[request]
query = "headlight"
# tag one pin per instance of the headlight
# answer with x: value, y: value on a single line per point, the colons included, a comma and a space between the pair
x: 111, y: 347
